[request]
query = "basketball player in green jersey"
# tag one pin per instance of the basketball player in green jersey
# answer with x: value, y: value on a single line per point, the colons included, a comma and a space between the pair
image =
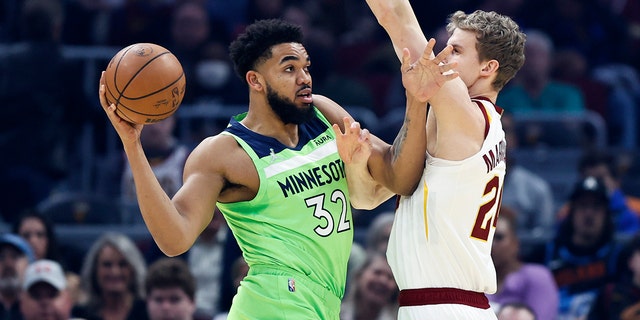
x: 276, y: 176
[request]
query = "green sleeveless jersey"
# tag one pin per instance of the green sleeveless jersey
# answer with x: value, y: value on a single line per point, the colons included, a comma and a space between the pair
x: 300, y: 218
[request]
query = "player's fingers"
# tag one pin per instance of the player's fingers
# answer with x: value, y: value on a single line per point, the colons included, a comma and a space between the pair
x: 337, y: 131
x: 406, y: 60
x: 101, y: 96
x: 442, y: 56
x: 451, y: 75
x: 347, y: 123
x: 429, y: 49
x: 447, y: 67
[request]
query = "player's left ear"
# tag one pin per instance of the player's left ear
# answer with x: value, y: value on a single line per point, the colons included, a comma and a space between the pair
x: 490, y: 67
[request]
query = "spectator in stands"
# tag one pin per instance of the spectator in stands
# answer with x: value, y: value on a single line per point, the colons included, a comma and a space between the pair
x: 516, y: 311
x: 38, y: 231
x: 528, y: 283
x: 136, y: 21
x: 584, y: 253
x: 44, y: 295
x: 167, y: 156
x: 602, y: 165
x: 621, y: 299
x: 205, y: 262
x: 15, y: 255
x: 43, y: 109
x: 378, y: 232
x: 113, y: 275
x: 170, y: 289
x: 372, y: 292
x: 525, y: 191
x: 532, y: 90
x: 200, y: 43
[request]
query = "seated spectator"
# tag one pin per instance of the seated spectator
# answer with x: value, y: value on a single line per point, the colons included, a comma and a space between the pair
x: 44, y: 295
x: 113, y: 275
x: 38, y: 231
x: 532, y: 90
x: 15, y: 255
x: 516, y: 311
x: 525, y: 191
x: 527, y: 283
x: 621, y: 299
x: 601, y: 165
x: 372, y: 292
x: 584, y: 253
x: 170, y: 289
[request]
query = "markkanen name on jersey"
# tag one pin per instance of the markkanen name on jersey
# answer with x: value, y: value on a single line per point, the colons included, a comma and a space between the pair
x: 312, y: 178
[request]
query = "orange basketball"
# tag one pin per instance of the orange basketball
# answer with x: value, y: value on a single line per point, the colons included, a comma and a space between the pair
x: 146, y: 83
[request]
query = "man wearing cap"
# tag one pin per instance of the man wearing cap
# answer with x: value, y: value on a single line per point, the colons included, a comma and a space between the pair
x: 15, y: 255
x: 583, y: 255
x: 44, y: 295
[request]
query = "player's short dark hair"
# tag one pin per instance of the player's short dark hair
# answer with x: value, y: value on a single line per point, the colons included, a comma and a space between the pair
x: 170, y: 273
x: 254, y: 44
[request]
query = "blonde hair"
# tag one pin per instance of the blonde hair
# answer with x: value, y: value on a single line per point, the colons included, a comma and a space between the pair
x: 499, y: 38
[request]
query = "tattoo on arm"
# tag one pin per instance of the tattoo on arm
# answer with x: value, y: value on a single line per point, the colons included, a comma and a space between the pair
x: 398, y: 143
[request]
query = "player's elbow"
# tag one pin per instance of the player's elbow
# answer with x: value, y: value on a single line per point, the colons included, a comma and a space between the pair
x: 406, y: 187
x: 173, y: 248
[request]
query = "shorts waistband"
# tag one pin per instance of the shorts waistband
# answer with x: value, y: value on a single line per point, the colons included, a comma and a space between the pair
x: 318, y: 289
x: 429, y: 296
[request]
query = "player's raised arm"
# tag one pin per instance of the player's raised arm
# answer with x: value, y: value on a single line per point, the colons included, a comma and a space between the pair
x: 173, y: 225
x: 400, y: 22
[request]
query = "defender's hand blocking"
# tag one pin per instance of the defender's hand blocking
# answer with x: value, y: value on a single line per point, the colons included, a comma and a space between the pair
x: 354, y: 145
x: 423, y: 78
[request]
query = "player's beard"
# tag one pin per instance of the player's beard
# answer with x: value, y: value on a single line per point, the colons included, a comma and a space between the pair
x: 287, y: 110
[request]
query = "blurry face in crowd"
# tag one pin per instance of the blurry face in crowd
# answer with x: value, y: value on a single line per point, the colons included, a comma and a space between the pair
x: 376, y: 283
x: 12, y: 266
x: 634, y: 264
x: 511, y: 313
x: 33, y: 230
x: 589, y: 218
x: 44, y: 302
x: 170, y: 303
x: 114, y: 273
x: 190, y: 26
x: 505, y: 245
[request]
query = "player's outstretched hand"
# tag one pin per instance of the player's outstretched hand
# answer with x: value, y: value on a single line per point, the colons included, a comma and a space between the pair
x: 354, y: 145
x: 423, y: 78
x: 127, y: 131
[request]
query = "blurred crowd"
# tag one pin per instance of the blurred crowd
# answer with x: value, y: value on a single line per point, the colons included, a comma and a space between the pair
x: 567, y: 236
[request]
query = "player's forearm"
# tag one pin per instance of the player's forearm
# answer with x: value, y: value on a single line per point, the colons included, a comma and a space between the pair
x: 364, y: 192
x: 400, y: 23
x: 161, y: 217
x: 404, y: 160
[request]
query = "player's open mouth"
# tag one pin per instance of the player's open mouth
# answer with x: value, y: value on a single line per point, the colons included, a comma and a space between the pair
x: 305, y: 95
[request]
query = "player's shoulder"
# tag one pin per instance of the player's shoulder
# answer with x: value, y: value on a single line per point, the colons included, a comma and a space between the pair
x: 220, y: 150
x: 330, y: 109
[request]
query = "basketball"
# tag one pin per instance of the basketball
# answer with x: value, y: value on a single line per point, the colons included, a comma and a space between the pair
x: 145, y: 82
